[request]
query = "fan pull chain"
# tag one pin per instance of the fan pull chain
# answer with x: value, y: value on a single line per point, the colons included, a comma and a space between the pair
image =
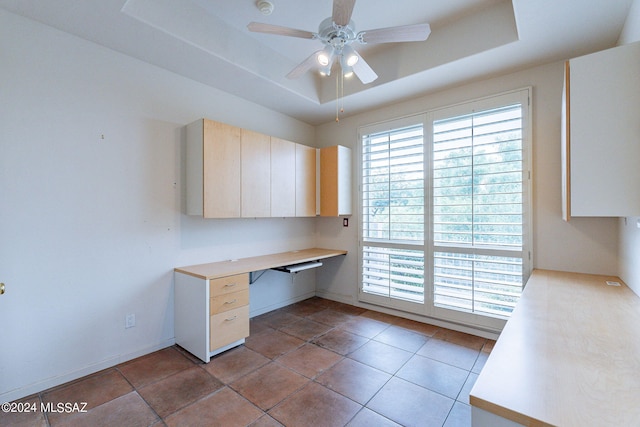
x: 337, y: 97
x: 341, y: 91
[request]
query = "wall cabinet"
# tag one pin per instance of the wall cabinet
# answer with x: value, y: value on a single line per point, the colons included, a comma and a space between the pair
x: 234, y: 172
x: 601, y: 134
x: 305, y: 187
x: 283, y: 178
x: 335, y: 181
x: 213, y: 169
x: 256, y: 174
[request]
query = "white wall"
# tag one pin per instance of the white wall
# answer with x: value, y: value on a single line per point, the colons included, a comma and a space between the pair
x: 629, y: 239
x: 583, y: 244
x: 91, y: 227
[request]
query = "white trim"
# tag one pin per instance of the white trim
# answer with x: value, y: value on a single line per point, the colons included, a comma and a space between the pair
x: 456, y: 326
x: 522, y: 96
x: 48, y: 383
x: 379, y: 300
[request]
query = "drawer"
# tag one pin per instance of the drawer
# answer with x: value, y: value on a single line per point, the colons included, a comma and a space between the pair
x: 228, y: 327
x: 225, y: 285
x: 228, y: 302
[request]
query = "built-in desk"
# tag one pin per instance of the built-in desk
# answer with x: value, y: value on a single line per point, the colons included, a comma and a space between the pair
x: 211, y: 307
x: 568, y: 356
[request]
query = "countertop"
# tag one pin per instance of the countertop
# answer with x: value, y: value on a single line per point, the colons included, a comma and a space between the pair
x: 214, y: 270
x: 568, y: 356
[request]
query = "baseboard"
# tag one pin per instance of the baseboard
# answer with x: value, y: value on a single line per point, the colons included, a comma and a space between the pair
x: 48, y: 383
x: 484, y: 333
x: 280, y: 304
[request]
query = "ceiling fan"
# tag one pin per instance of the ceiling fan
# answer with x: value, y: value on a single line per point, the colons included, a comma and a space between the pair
x: 337, y: 33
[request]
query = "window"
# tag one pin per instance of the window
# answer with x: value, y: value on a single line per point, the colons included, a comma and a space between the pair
x: 445, y: 210
x: 478, y: 210
x: 392, y: 186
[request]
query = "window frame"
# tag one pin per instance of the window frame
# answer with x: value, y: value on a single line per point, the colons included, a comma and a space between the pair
x: 426, y: 118
x: 400, y: 304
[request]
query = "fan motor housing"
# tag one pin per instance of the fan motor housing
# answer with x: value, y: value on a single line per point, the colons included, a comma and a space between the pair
x: 336, y: 35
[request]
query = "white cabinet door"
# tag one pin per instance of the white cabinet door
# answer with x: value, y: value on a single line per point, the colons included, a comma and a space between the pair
x: 604, y: 133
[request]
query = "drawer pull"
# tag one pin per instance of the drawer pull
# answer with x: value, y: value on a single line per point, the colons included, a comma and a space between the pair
x: 233, y: 301
x: 230, y: 285
x: 229, y: 319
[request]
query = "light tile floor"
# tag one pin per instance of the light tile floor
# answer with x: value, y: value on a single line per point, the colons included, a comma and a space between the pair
x: 313, y: 363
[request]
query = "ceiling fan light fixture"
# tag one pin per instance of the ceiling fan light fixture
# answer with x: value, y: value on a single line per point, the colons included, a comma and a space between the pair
x: 349, y: 56
x: 337, y: 33
x: 325, y: 56
x: 323, y: 59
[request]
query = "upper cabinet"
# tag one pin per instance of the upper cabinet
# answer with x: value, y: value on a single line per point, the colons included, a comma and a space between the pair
x: 283, y: 178
x: 256, y: 174
x: 601, y: 134
x: 335, y: 181
x: 213, y: 169
x: 234, y: 172
x: 305, y: 181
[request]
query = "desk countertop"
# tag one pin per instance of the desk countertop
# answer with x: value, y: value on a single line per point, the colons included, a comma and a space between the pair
x: 214, y: 270
x: 569, y: 355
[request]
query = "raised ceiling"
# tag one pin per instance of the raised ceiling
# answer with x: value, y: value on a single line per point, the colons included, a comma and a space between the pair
x: 207, y: 40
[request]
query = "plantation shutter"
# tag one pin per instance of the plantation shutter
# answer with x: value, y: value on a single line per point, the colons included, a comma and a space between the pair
x: 393, y: 209
x: 478, y: 211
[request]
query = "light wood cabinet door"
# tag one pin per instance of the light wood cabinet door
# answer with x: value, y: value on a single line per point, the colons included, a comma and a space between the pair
x: 305, y: 181
x: 256, y: 174
x: 283, y: 178
x: 233, y: 172
x: 335, y: 181
x: 213, y: 169
x: 221, y: 174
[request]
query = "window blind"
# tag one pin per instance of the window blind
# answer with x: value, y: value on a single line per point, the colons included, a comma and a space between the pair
x: 478, y: 211
x: 393, y: 207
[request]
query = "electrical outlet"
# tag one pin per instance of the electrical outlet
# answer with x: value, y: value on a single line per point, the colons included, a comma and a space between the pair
x: 130, y: 321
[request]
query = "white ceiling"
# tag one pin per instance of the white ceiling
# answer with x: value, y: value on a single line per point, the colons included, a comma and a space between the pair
x: 207, y: 40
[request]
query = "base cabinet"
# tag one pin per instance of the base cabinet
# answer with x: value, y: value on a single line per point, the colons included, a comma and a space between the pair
x: 211, y: 316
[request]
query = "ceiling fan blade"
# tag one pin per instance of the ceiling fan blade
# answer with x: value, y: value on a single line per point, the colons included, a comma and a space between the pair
x: 405, y: 33
x: 342, y: 10
x: 258, y: 27
x: 304, y: 66
x: 364, y: 72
